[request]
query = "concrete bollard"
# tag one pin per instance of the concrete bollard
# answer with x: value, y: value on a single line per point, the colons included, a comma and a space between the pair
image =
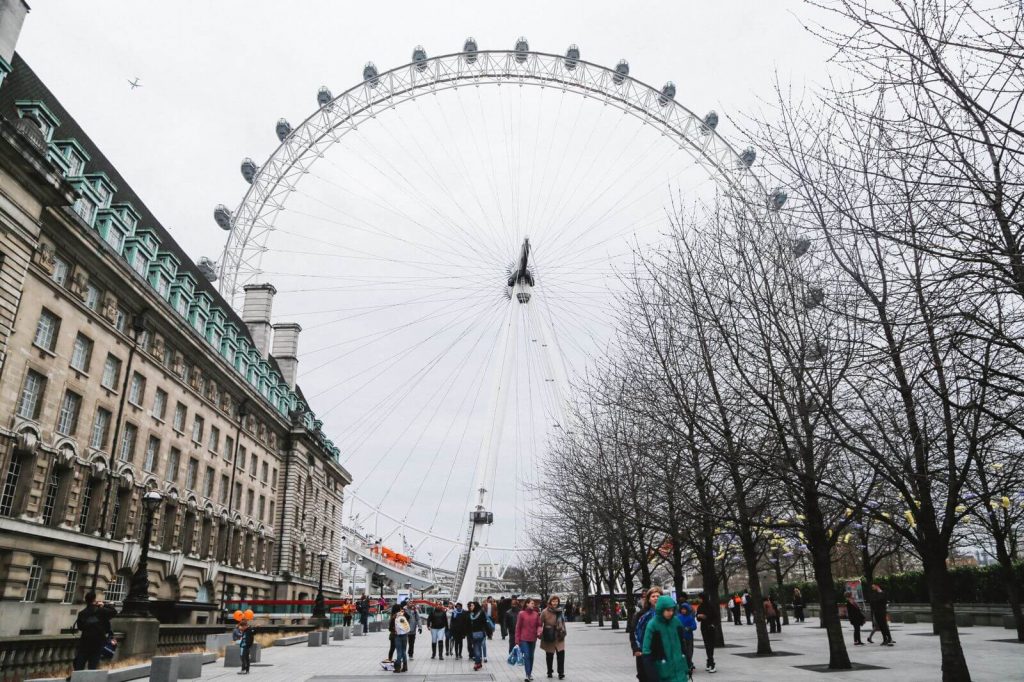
x: 965, y: 620
x: 896, y: 616
x: 357, y: 631
x: 89, y: 676
x: 190, y: 666
x: 232, y: 656
x: 314, y: 639
x: 1009, y: 623
x: 257, y: 653
x: 325, y: 637
x: 910, y: 617
x: 347, y: 632
x: 163, y: 669
x: 339, y: 633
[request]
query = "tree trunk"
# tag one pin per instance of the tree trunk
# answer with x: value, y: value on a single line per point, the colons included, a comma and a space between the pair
x: 838, y: 656
x: 709, y: 576
x: 940, y: 594
x: 1012, y: 587
x: 764, y: 645
x: 598, y: 602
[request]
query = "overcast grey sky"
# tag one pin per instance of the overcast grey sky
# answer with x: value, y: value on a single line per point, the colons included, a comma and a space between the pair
x: 217, y: 76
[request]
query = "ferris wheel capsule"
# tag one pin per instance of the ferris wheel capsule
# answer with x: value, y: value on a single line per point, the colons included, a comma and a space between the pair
x: 323, y: 95
x: 419, y: 57
x: 222, y: 216
x: 522, y: 47
x: 778, y: 198
x: 748, y: 156
x: 710, y: 122
x: 370, y: 76
x: 668, y: 93
x: 283, y: 129
x: 621, y: 71
x: 572, y: 57
x: 249, y: 169
x: 469, y: 47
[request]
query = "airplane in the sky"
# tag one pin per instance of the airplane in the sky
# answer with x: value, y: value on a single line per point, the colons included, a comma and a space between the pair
x: 135, y: 83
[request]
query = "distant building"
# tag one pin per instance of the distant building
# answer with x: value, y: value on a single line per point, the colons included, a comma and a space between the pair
x: 122, y: 370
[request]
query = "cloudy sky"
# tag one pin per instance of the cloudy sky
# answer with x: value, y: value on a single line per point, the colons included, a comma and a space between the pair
x: 392, y: 251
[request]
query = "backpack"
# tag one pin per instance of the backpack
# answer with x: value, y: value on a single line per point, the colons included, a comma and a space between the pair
x: 401, y: 625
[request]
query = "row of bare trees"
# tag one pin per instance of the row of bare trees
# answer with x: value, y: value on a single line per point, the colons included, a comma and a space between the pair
x: 843, y: 375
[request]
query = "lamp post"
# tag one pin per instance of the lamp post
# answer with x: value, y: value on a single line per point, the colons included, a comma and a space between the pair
x: 319, y: 607
x: 137, y: 602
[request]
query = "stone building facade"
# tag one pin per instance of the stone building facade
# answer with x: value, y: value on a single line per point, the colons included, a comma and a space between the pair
x: 123, y: 371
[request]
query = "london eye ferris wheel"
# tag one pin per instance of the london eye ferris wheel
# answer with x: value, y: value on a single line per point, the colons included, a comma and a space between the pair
x: 450, y: 234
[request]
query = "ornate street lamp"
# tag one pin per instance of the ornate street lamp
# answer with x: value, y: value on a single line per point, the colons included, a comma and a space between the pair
x: 137, y: 602
x: 319, y: 607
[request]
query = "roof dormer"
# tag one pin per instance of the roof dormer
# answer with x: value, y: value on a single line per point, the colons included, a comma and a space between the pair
x: 70, y: 156
x: 36, y: 111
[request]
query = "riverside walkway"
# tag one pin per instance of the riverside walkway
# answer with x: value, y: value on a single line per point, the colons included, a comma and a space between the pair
x: 602, y: 655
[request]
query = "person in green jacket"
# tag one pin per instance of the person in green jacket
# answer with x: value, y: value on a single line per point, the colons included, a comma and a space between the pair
x: 663, y: 644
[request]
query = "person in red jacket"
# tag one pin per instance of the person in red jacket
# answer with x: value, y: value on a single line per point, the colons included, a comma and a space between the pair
x: 527, y: 626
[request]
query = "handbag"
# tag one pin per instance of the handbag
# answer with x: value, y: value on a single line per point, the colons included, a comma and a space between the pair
x: 109, y: 649
x: 515, y: 657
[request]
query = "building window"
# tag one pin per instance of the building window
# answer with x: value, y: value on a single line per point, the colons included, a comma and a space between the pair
x: 35, y: 576
x: 75, y: 163
x: 81, y: 353
x: 92, y: 297
x: 208, y: 483
x: 85, y: 209
x: 137, y: 389
x: 60, y: 271
x: 261, y: 507
x: 121, y: 320
x: 270, y: 512
x: 84, y: 504
x: 127, y: 453
x: 31, y: 395
x: 229, y: 447
x: 152, y: 454
x: 160, y: 404
x: 115, y: 238
x: 264, y: 472
x: 224, y: 484
x: 46, y: 331
x: 168, y: 355
x: 117, y: 590
x: 10, y: 487
x: 173, y: 460
x: 67, y: 420
x: 240, y: 458
x: 111, y: 373
x: 237, y: 499
x: 214, y: 439
x: 191, y: 472
x: 252, y: 465
x: 273, y: 478
x: 100, y: 428
x: 197, y: 429
x: 248, y: 503
x: 179, y: 417
x: 50, y: 499
x: 163, y: 287
x: 70, y: 587
x: 140, y: 262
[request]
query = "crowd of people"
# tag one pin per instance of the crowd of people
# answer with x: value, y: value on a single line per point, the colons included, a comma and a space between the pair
x: 459, y: 631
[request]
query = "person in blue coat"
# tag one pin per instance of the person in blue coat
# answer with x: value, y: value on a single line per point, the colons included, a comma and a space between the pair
x: 687, y: 617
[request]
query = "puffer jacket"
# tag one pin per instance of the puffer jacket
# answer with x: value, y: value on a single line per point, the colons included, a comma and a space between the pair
x: 663, y: 645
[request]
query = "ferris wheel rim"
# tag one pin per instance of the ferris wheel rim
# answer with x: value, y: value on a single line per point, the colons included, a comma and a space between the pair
x: 426, y: 77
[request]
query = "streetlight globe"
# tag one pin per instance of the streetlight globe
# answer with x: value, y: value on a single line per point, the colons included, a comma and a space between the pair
x: 152, y: 499
x: 323, y: 555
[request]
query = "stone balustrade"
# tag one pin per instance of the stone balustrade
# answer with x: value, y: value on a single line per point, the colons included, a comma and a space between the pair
x: 36, y: 656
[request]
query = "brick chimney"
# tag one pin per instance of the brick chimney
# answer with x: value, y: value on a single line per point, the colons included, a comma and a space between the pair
x: 259, y: 298
x: 286, y: 350
x: 12, y: 16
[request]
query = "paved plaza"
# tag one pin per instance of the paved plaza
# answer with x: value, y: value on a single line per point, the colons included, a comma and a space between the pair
x: 602, y: 655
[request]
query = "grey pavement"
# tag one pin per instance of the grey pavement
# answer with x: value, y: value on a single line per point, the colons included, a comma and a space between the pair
x: 602, y: 655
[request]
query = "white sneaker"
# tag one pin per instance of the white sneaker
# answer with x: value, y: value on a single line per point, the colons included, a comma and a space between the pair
x: 712, y: 670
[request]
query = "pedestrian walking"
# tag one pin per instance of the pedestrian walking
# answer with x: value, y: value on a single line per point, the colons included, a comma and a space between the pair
x: 879, y: 603
x: 525, y: 632
x: 459, y: 625
x: 392, y: 644
x: 748, y: 606
x: 414, y: 624
x: 708, y: 617
x: 437, y: 622
x: 776, y: 613
x: 689, y: 621
x: 552, y: 635
x: 855, y: 616
x: 663, y: 644
x: 504, y: 604
x: 244, y: 635
x: 477, y: 633
x: 401, y: 628
x: 508, y: 623
x: 94, y: 623
x: 798, y: 605
x: 637, y: 625
x: 737, y: 604
x: 363, y: 609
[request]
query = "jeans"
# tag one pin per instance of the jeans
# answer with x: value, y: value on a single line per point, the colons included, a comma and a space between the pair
x: 246, y: 657
x: 401, y: 644
x: 707, y: 633
x: 550, y: 657
x: 436, y: 635
x: 528, y: 649
x: 856, y: 633
x: 458, y: 646
x: 477, y: 646
x: 87, y: 658
x: 412, y: 642
x: 365, y: 617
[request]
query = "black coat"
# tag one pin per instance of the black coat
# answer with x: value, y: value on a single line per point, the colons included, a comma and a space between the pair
x: 854, y: 614
x: 437, y: 619
x: 478, y: 624
x: 94, y: 624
